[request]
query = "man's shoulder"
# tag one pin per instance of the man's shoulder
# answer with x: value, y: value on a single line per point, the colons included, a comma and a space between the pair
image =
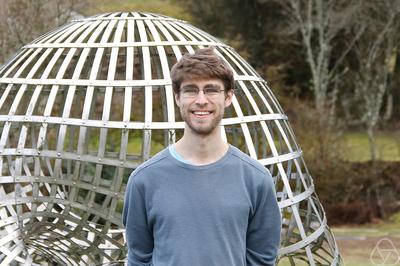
x: 256, y: 176
x: 248, y: 161
x: 151, y: 164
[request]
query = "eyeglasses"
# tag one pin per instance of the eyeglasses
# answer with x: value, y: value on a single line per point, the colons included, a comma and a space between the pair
x: 210, y: 91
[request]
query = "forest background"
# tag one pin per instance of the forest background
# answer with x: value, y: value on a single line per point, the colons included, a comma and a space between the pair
x: 334, y: 66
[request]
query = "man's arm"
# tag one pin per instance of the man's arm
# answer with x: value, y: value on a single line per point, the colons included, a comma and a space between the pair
x: 139, y: 237
x: 263, y: 232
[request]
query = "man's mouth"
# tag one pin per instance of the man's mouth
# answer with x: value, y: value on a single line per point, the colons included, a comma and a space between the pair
x: 201, y: 113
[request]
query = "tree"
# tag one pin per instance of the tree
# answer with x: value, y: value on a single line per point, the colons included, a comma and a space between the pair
x: 320, y: 23
x: 374, y: 55
x: 251, y: 26
x: 23, y: 20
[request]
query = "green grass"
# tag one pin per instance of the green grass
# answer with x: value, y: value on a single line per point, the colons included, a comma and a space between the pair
x: 355, y: 147
x: 135, y: 146
x: 357, y: 244
x: 164, y: 7
x: 391, y: 227
x: 368, y: 231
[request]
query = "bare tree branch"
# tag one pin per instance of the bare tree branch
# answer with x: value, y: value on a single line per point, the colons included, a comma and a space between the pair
x: 23, y: 20
x: 373, y: 53
x: 319, y: 23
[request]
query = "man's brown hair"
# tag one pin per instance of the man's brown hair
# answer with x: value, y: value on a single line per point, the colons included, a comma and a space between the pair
x: 204, y: 63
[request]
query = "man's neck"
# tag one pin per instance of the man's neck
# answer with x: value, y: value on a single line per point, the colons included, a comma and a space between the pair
x: 201, y: 149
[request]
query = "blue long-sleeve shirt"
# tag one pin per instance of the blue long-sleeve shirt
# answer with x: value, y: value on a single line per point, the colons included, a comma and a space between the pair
x: 221, y: 214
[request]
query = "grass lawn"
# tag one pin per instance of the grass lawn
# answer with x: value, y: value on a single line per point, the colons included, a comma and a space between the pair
x: 360, y: 246
x: 355, y: 146
x: 366, y: 245
x: 135, y: 146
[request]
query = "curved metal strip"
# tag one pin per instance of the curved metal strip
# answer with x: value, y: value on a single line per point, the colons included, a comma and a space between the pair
x: 131, y: 125
x: 296, y: 199
x: 304, y: 242
x: 119, y: 45
x: 280, y: 158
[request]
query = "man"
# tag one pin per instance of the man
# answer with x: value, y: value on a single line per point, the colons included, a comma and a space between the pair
x: 201, y: 201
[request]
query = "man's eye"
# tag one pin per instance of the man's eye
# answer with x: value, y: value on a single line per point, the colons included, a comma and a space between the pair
x: 190, y: 90
x: 211, y: 90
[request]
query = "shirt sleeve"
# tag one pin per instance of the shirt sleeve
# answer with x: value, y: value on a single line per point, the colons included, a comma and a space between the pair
x: 263, y: 232
x: 139, y: 237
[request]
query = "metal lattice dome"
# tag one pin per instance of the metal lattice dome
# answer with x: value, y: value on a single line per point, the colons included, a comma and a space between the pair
x: 85, y: 104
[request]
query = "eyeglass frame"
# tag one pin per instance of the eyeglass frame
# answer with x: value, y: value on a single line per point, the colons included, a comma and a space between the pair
x: 204, y: 90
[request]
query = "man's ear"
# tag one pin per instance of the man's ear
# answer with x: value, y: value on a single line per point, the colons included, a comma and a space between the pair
x: 177, y: 99
x: 228, y: 98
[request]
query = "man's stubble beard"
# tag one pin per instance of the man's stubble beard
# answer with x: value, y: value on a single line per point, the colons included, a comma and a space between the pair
x: 200, y: 130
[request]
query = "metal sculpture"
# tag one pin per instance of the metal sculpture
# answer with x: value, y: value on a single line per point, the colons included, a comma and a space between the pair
x: 85, y: 104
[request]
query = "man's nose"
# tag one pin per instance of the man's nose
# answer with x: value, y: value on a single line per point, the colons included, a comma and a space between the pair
x: 201, y: 98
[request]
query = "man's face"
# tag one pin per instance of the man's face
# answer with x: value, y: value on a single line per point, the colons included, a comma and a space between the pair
x: 203, y: 112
